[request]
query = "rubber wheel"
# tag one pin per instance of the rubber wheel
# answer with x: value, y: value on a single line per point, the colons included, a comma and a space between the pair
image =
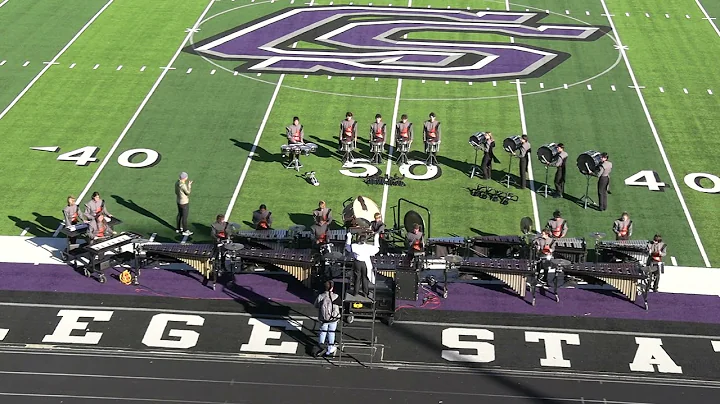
x: 102, y: 279
x: 349, y: 319
x: 86, y: 273
x: 445, y: 294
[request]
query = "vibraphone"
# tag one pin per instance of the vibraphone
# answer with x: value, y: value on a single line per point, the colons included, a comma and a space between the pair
x: 442, y: 246
x: 624, y: 251
x: 515, y: 273
x: 268, y: 239
x: 298, y: 263
x: 101, y: 254
x: 571, y: 249
x: 333, y: 236
x: 496, y: 246
x: 627, y: 278
x: 199, y: 256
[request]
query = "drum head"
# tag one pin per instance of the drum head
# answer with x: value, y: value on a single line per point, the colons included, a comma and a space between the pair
x: 362, y: 209
x: 547, y: 153
x: 477, y: 139
x: 412, y: 217
x: 588, y: 162
x: 512, y: 143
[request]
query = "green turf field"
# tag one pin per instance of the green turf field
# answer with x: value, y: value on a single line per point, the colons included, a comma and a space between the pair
x: 125, y: 80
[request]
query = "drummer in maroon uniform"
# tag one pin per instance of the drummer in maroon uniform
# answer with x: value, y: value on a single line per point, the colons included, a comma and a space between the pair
x: 295, y: 132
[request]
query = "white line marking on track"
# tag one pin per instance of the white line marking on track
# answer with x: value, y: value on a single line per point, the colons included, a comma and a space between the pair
x: 72, y: 65
x: 388, y: 167
x: 494, y: 83
x: 422, y: 81
x: 140, y: 108
x: 50, y: 63
x: 447, y: 82
x: 37, y: 77
x: 26, y: 63
x: 567, y: 12
x: 690, y: 221
x: 470, y: 83
x: 710, y: 91
x: 673, y: 260
x: 244, y: 172
x: 662, y: 90
x: 51, y: 149
x: 685, y: 90
x: 565, y: 86
x: 707, y: 17
x: 351, y: 78
x: 24, y: 232
x: 57, y: 231
x: 330, y: 78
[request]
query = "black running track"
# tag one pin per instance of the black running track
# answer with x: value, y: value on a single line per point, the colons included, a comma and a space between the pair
x: 51, y: 377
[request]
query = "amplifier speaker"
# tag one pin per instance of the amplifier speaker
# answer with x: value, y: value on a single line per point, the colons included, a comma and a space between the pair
x: 406, y: 285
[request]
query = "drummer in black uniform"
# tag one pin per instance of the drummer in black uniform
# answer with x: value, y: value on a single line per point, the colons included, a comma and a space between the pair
x: 603, y: 181
x: 378, y: 227
x: 523, y: 154
x: 560, y: 162
x: 488, y: 156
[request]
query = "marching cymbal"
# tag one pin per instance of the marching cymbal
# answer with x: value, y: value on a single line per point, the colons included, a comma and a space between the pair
x: 296, y: 228
x: 233, y: 246
x: 140, y: 241
x: 453, y: 259
x: 560, y: 262
x: 597, y: 235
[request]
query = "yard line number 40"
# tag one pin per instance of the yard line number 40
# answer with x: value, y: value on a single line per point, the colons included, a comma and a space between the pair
x: 86, y: 155
x: 694, y: 181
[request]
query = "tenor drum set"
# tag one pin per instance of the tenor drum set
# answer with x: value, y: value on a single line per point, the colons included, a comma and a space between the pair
x: 376, y: 148
x: 294, y: 151
x: 403, y: 147
x: 347, y: 145
x: 431, y: 148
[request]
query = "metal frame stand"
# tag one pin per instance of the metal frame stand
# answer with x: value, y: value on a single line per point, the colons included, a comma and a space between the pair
x: 347, y: 148
x: 403, y: 158
x: 295, y: 162
x: 357, y: 345
x: 376, y: 150
x: 475, y: 167
x: 586, y: 198
x: 431, y: 159
x: 508, y: 180
x: 544, y: 189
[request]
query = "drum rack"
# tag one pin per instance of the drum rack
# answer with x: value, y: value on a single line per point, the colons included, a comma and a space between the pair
x: 295, y: 162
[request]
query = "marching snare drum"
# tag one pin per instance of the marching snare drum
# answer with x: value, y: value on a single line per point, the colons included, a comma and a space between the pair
x: 589, y: 162
x: 547, y: 153
x: 432, y: 147
x: 512, y: 144
x: 376, y: 147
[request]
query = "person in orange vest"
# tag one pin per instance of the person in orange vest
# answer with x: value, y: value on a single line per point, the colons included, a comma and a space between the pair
x: 404, y: 131
x: 348, y: 131
x: 262, y: 218
x: 623, y: 227
x: 414, y: 240
x: 99, y: 228
x: 557, y: 225
x: 322, y: 217
x: 72, y: 215
x: 544, y: 249
x: 295, y: 132
x: 656, y: 252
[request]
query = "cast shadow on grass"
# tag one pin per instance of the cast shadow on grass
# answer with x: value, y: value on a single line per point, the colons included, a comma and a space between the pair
x: 33, y: 228
x: 128, y: 203
x: 261, y: 154
x: 48, y: 222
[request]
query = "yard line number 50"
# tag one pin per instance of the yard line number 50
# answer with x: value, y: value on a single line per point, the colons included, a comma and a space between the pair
x: 694, y: 181
x: 86, y: 155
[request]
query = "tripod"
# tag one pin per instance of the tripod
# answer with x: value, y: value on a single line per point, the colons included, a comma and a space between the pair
x: 347, y: 147
x: 586, y: 198
x: 475, y: 167
x: 508, y: 180
x: 544, y: 189
x: 295, y: 162
x: 403, y: 148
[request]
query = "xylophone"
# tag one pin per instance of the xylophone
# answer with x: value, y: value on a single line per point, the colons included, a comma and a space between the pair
x: 623, y: 277
x: 624, y: 250
x: 496, y: 246
x: 571, y: 249
x: 515, y: 273
x: 297, y: 263
x: 198, y: 256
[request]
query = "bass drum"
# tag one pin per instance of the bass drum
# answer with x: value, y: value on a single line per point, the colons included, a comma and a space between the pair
x: 589, y: 162
x: 548, y: 152
x: 360, y: 213
x: 512, y: 143
x: 478, y: 140
x: 411, y: 218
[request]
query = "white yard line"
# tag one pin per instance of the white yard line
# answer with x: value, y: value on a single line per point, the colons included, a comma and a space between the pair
x: 254, y: 146
x: 707, y: 17
x: 657, y: 138
x: 142, y: 106
x: 523, y: 125
x: 3, y: 3
x: 50, y: 64
x: 386, y: 187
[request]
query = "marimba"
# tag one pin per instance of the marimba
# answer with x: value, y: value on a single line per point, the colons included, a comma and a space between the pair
x: 442, y: 246
x: 199, y: 256
x: 267, y: 239
x: 624, y: 251
x: 297, y: 263
x: 515, y: 273
x: 628, y: 278
x: 496, y: 246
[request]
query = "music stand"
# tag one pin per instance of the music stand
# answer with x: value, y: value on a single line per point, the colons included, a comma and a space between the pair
x: 508, y: 180
x: 475, y: 167
x: 586, y: 198
x: 295, y: 162
x: 544, y: 189
x: 403, y: 148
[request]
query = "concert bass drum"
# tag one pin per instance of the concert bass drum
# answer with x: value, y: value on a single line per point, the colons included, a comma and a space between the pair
x: 512, y: 144
x: 360, y: 213
x: 548, y: 152
x: 589, y: 162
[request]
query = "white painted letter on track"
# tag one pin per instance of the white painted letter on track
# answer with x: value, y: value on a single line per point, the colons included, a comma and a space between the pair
x: 484, y: 351
x: 261, y: 333
x: 553, y: 346
x: 69, y: 323
x: 650, y: 352
x: 184, y: 339
x: 715, y: 345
